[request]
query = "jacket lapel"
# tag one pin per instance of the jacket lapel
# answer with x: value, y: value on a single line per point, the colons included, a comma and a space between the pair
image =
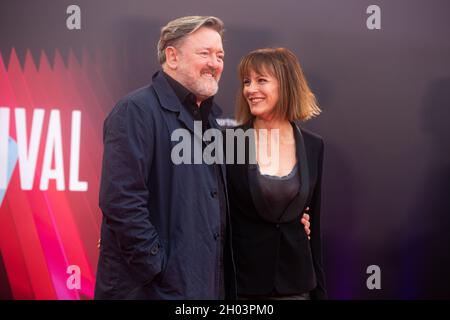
x: 169, y: 101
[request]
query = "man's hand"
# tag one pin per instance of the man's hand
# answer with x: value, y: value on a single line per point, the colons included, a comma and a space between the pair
x: 306, y: 223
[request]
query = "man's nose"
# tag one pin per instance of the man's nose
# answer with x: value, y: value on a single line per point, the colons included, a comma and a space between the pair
x: 213, y: 62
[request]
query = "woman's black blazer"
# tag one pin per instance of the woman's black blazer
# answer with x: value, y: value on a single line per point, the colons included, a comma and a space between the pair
x: 274, y: 255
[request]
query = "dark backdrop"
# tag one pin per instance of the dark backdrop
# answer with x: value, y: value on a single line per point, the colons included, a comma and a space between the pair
x: 385, y: 96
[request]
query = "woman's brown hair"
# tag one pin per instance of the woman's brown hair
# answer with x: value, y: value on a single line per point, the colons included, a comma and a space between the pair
x: 296, y: 101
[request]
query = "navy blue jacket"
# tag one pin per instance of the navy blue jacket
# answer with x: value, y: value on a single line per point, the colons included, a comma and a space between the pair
x: 160, y: 220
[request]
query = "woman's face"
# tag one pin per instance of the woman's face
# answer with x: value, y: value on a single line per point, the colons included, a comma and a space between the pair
x: 261, y: 93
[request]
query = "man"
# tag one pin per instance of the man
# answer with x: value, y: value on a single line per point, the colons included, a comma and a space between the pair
x: 165, y: 228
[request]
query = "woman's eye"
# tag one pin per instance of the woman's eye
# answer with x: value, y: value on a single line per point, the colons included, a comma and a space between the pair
x: 262, y: 80
x: 246, y: 82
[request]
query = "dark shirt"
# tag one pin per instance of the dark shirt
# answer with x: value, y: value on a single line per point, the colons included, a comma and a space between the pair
x: 279, y: 191
x: 201, y: 113
x: 189, y: 101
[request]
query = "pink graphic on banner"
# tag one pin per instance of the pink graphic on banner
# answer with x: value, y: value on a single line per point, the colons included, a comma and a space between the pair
x: 54, y: 222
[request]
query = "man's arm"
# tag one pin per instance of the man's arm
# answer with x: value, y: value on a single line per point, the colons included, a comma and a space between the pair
x: 128, y: 150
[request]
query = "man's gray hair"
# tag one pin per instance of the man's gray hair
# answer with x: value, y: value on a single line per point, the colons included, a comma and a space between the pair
x: 173, y: 32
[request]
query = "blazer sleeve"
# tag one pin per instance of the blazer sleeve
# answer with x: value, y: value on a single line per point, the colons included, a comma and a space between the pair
x: 128, y: 151
x: 320, y: 291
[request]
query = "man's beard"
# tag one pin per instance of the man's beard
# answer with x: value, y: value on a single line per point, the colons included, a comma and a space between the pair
x: 204, y: 88
x: 201, y: 86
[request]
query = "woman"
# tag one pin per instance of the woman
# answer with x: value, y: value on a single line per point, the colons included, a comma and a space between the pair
x: 274, y: 258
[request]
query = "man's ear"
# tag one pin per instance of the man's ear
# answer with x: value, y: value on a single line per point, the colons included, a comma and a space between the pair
x: 171, y: 57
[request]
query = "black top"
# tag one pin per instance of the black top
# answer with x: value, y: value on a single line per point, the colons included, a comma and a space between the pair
x: 279, y: 191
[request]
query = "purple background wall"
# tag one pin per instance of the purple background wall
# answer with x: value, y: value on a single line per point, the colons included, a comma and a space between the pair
x: 385, y: 96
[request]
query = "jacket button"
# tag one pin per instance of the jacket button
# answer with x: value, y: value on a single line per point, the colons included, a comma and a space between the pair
x: 277, y: 226
x: 154, y: 250
x: 216, y: 236
x: 214, y: 193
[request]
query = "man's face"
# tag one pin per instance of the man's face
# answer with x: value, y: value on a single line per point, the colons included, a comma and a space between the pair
x: 200, y: 62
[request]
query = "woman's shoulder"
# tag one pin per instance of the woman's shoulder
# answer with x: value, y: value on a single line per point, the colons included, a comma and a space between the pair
x: 309, y: 135
x: 313, y: 141
x: 312, y: 136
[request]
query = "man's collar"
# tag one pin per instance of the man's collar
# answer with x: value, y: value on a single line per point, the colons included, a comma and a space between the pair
x: 183, y: 94
x: 181, y: 91
x: 169, y: 100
